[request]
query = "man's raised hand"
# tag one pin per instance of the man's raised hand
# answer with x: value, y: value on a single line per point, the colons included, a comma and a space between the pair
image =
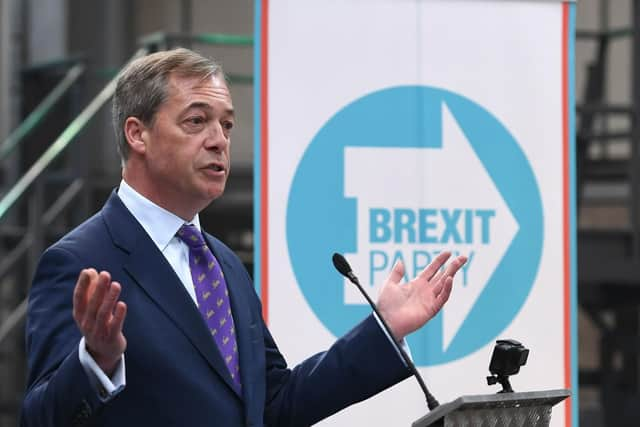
x: 407, y: 307
x: 100, y: 316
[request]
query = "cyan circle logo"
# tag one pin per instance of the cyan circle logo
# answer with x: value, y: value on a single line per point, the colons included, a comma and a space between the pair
x: 402, y: 174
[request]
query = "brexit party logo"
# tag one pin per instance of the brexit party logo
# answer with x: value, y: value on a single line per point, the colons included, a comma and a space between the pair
x: 404, y: 174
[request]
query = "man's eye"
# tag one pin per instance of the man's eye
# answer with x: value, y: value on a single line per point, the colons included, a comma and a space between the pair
x: 227, y: 125
x: 194, y: 124
x: 195, y: 120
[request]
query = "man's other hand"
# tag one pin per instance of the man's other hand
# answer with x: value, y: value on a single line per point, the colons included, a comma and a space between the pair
x: 100, y: 317
x: 407, y: 307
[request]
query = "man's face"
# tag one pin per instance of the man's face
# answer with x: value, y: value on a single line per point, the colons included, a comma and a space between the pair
x: 187, y: 150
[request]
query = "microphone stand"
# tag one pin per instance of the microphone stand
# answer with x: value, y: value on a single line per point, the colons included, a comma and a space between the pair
x: 343, y: 268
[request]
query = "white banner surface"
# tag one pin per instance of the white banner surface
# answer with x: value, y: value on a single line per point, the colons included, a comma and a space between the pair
x: 393, y: 130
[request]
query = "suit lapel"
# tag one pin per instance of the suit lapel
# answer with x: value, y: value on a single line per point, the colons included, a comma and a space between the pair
x: 154, y: 275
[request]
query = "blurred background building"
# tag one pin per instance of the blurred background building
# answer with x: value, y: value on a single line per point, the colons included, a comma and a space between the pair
x: 57, y: 56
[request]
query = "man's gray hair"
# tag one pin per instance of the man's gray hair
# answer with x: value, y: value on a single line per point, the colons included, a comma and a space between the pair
x: 143, y: 86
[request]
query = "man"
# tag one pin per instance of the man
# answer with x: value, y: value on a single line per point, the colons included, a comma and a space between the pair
x: 140, y: 276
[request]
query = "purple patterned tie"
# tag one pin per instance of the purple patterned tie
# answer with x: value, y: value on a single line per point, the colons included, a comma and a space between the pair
x: 213, y: 298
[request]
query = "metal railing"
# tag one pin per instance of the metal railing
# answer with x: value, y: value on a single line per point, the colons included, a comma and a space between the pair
x: 16, y: 316
x: 166, y: 40
x: 60, y: 144
x: 41, y: 111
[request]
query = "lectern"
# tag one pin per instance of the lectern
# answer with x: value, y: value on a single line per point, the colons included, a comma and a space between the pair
x: 528, y: 409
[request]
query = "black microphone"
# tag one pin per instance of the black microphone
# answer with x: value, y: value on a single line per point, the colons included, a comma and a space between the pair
x: 343, y: 267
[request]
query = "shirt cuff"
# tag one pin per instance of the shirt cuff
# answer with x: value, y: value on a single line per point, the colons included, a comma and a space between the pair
x: 402, y: 343
x: 106, y: 387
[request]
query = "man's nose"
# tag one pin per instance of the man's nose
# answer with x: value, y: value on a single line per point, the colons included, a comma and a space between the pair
x: 217, y: 139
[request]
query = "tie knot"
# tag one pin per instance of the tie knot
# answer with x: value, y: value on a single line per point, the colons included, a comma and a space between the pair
x: 190, y: 235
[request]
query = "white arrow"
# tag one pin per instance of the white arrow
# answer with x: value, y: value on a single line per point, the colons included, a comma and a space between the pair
x: 449, y: 178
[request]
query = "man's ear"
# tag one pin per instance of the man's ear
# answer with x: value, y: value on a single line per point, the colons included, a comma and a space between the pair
x: 137, y: 135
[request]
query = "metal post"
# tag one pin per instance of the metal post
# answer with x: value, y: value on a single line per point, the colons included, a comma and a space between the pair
x: 604, y: 29
x: 635, y: 166
x: 635, y: 135
x: 186, y: 19
x: 36, y: 210
x: 11, y: 365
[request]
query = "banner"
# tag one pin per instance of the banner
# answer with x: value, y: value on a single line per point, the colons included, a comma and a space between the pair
x: 393, y: 130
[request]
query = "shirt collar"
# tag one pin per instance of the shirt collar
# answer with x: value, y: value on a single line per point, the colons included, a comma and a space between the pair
x: 160, y: 224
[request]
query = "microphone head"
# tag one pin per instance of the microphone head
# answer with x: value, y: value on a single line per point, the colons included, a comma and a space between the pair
x: 341, y: 264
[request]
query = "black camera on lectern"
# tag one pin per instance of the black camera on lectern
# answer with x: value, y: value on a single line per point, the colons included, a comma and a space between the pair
x: 508, y: 356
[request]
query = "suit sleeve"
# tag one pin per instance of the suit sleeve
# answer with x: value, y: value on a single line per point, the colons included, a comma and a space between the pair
x: 58, y: 389
x: 359, y: 365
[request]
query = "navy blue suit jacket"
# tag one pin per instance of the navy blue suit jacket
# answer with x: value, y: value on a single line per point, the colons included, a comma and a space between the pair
x: 175, y: 375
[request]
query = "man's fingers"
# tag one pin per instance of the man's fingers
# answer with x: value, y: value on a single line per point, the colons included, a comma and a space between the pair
x: 95, y: 301
x: 434, y: 266
x: 440, y: 278
x: 455, y: 265
x: 105, y: 311
x: 397, y: 272
x: 117, y: 321
x: 450, y: 270
x: 443, y: 296
x: 437, y: 278
x: 439, y: 284
x: 80, y: 293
